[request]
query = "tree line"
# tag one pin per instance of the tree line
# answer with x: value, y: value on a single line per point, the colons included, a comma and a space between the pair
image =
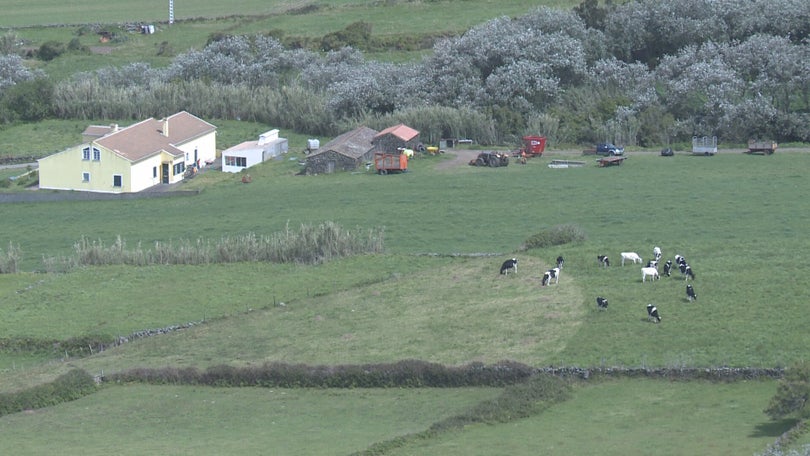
x: 642, y: 73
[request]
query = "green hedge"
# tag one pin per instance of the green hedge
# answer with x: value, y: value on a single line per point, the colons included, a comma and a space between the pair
x: 403, y: 374
x: 68, y: 387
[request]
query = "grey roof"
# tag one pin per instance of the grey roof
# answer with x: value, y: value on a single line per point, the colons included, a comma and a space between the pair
x: 354, y: 143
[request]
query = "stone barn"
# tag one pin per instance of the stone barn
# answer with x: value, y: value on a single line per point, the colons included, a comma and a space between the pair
x: 344, y: 153
x: 392, y: 138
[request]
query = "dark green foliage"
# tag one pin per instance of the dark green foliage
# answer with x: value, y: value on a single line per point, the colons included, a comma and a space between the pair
x: 75, y: 45
x: 792, y: 394
x: 517, y: 401
x: 50, y: 50
x: 68, y: 387
x: 402, y: 374
x: 593, y: 15
x: 74, y: 347
x: 356, y: 35
x: 28, y: 100
x: 556, y: 235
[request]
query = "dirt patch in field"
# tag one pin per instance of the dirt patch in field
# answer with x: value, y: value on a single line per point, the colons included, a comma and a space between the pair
x: 459, y: 157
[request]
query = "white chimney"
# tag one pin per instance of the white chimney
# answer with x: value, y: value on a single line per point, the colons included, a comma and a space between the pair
x: 113, y: 128
x: 166, y: 127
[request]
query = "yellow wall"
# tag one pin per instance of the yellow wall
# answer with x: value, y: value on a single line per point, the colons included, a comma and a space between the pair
x: 63, y: 170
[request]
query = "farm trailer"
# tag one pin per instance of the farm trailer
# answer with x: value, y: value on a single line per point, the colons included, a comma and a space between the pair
x: 765, y: 147
x: 386, y: 163
x: 704, y: 145
x: 533, y: 146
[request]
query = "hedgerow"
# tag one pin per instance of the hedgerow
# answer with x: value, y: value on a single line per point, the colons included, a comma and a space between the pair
x: 68, y: 387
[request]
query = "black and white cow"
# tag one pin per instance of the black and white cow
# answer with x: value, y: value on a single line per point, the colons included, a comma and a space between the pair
x: 601, y: 303
x: 509, y: 264
x: 686, y: 270
x: 652, y: 264
x: 560, y: 262
x: 657, y: 253
x: 690, y: 293
x: 668, y: 268
x: 652, y: 313
x: 603, y: 260
x: 551, y: 274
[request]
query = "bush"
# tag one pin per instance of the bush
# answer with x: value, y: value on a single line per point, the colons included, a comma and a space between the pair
x: 792, y: 394
x: 556, y: 235
x: 50, y: 50
x: 68, y: 387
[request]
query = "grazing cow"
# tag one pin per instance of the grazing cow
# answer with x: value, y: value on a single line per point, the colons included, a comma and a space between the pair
x: 631, y: 256
x: 680, y: 260
x: 601, y: 303
x: 668, y: 268
x: 603, y: 260
x: 687, y: 272
x: 509, y: 264
x: 652, y: 264
x: 551, y: 274
x: 560, y: 261
x: 657, y: 253
x: 652, y: 272
x: 652, y: 313
x: 690, y: 293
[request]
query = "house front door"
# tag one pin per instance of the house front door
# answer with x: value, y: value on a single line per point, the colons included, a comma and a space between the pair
x: 330, y: 167
x: 165, y: 173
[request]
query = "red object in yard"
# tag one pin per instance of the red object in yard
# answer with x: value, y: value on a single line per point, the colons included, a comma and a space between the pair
x: 385, y: 163
x: 533, y: 146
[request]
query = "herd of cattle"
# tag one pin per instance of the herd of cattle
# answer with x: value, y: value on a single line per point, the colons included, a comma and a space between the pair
x: 650, y: 270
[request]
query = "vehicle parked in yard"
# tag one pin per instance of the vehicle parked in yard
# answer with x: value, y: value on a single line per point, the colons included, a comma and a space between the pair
x: 764, y: 147
x: 609, y: 149
x: 704, y: 145
x: 491, y: 159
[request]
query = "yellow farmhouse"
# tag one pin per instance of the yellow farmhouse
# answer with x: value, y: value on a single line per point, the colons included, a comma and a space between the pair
x: 131, y: 159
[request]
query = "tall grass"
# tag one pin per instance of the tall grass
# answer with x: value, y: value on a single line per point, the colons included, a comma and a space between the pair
x: 310, y: 244
x: 10, y: 259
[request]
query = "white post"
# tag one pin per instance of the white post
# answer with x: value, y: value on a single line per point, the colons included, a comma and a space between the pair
x: 171, y: 11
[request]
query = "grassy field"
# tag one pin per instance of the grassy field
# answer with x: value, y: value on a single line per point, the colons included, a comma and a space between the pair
x: 132, y: 420
x: 740, y: 220
x: 631, y: 417
x: 723, y: 213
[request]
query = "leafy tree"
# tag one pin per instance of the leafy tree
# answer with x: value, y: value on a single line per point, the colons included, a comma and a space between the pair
x: 50, y: 50
x: 792, y: 394
x: 29, y: 100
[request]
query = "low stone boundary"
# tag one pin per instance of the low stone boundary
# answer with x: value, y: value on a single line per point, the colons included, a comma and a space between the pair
x: 40, y: 196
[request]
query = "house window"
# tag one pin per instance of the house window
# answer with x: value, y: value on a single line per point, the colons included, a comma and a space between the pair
x: 236, y: 161
x: 85, y: 177
x: 86, y: 153
x: 96, y: 154
x: 179, y: 168
x: 154, y: 172
x: 117, y: 181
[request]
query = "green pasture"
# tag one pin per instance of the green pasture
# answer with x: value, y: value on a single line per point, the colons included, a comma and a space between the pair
x: 630, y: 417
x: 129, y: 420
x: 738, y: 219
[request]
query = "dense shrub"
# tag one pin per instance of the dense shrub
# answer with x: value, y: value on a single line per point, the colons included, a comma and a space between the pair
x: 556, y: 235
x: 50, y: 50
x: 68, y: 387
x: 402, y: 374
x: 792, y: 395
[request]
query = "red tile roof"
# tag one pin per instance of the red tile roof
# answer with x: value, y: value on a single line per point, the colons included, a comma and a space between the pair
x: 146, y: 138
x: 401, y: 131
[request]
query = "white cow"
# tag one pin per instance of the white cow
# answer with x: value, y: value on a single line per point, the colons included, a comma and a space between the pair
x: 652, y: 272
x: 631, y: 256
